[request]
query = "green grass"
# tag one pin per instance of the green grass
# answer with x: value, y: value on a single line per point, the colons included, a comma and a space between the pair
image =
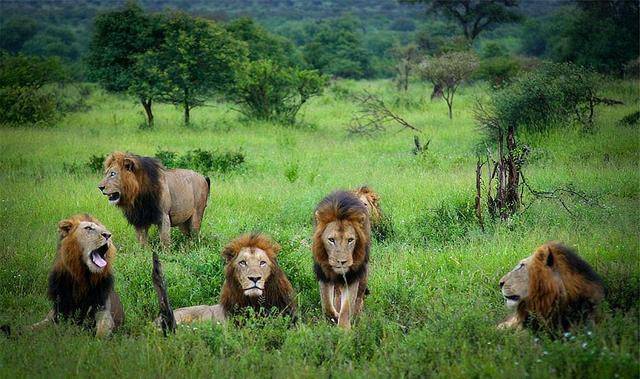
x: 434, y: 299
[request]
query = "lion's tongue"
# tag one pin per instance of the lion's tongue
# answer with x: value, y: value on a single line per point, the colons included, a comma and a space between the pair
x: 97, y: 259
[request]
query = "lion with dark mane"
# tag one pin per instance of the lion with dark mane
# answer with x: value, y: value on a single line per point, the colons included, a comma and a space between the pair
x: 81, y: 284
x: 253, y: 279
x: 341, y: 244
x: 150, y: 194
x: 553, y: 288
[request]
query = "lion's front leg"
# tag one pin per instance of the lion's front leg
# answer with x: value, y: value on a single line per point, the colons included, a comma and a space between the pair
x: 347, y: 305
x: 326, y: 299
x: 165, y: 230
x: 104, y: 323
x: 512, y: 322
x: 142, y: 233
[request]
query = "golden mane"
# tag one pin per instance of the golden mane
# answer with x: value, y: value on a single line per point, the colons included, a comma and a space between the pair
x: 342, y: 206
x: 550, y: 299
x: 278, y: 291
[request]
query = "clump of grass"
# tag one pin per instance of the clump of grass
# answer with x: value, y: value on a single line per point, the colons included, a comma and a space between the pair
x: 451, y: 220
x: 292, y: 172
x: 632, y: 119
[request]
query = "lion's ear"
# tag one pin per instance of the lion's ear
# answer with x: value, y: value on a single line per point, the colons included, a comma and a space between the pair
x: 64, y: 227
x: 550, y: 259
x: 129, y: 164
x: 228, y: 254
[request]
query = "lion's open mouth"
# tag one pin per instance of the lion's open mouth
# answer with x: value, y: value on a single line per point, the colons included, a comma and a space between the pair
x: 98, y: 255
x: 113, y: 197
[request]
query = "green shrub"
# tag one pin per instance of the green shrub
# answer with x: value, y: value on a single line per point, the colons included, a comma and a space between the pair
x: 554, y: 94
x: 268, y: 91
x: 451, y: 220
x: 26, y: 105
x: 632, y: 119
x: 292, y: 172
x: 96, y: 162
x: 498, y: 70
x: 203, y: 160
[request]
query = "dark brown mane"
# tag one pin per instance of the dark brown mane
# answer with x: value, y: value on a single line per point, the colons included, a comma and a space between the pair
x: 341, y: 206
x: 141, y: 190
x: 278, y: 291
x: 552, y: 303
x: 75, y: 291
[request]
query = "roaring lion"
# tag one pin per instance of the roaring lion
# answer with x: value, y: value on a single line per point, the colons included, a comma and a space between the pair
x: 150, y: 194
x: 81, y: 281
x: 552, y: 288
x: 253, y: 279
x: 341, y: 244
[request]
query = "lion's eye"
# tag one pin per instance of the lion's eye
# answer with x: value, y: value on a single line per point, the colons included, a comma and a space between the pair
x: 88, y: 227
x: 242, y: 263
x: 520, y: 266
x: 350, y: 240
x: 112, y: 174
x: 263, y: 263
x: 332, y: 240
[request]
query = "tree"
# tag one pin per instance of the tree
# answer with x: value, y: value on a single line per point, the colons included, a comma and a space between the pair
x: 120, y: 38
x: 336, y: 49
x: 15, y: 32
x: 406, y: 59
x: 449, y: 70
x: 474, y: 16
x: 198, y: 58
x: 267, y: 91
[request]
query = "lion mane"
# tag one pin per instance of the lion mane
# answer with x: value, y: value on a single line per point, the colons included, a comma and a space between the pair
x: 77, y: 293
x: 278, y: 292
x: 555, y: 303
x: 141, y: 189
x: 342, y: 206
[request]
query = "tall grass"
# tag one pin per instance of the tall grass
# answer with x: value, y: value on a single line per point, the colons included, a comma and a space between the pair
x: 434, y: 298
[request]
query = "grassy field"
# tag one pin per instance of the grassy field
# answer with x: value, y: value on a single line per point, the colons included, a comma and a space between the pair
x: 434, y: 299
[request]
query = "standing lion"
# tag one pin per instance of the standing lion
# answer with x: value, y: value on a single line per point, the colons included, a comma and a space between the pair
x: 150, y: 194
x: 341, y: 244
x: 552, y: 288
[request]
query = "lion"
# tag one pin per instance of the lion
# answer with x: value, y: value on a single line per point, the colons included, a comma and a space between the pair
x: 380, y: 223
x: 149, y: 194
x: 553, y: 288
x: 81, y: 283
x: 341, y: 244
x: 253, y: 279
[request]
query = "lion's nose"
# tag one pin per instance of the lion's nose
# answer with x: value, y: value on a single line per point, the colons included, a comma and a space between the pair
x: 106, y: 235
x: 501, y: 283
x: 343, y: 263
x: 255, y: 278
x: 101, y: 188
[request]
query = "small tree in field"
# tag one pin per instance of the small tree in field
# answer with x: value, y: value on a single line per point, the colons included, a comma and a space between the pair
x: 198, y: 59
x: 406, y: 60
x: 120, y: 38
x: 448, y: 71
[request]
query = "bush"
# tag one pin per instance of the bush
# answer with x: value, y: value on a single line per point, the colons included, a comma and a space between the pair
x: 267, y: 91
x: 551, y: 95
x: 26, y: 105
x: 96, y: 162
x: 498, y: 70
x: 203, y: 161
x: 451, y: 220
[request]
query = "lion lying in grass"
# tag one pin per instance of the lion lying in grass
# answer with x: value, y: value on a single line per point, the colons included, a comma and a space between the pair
x: 253, y: 279
x: 553, y: 288
x: 81, y: 280
x: 149, y: 194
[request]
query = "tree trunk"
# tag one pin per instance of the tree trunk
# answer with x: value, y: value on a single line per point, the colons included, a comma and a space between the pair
x: 437, y: 91
x: 186, y: 113
x: 147, y: 109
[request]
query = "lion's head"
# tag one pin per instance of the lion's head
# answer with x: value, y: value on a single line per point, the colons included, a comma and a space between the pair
x: 342, y: 234
x: 554, y: 278
x: 127, y: 176
x: 253, y: 276
x: 84, y: 244
x: 371, y: 201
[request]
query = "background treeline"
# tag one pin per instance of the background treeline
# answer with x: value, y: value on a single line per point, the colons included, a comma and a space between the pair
x: 355, y: 38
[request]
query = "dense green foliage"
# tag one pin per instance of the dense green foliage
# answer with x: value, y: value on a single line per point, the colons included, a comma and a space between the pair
x: 434, y: 299
x: 27, y: 93
x: 204, y: 161
x: 553, y: 95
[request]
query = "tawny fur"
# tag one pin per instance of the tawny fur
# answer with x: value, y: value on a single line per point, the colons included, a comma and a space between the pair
x: 563, y: 289
x: 150, y: 194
